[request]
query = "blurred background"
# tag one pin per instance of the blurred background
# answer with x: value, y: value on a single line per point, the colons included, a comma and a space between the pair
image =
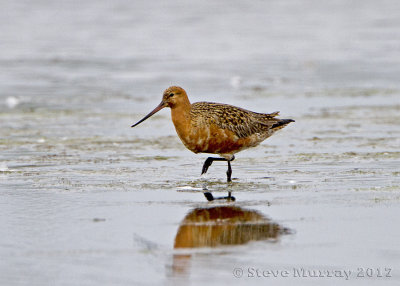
x: 86, y: 199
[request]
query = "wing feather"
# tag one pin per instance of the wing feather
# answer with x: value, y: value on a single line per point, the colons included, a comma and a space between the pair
x: 240, y: 121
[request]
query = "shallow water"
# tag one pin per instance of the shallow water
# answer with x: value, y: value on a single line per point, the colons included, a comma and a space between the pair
x: 87, y: 200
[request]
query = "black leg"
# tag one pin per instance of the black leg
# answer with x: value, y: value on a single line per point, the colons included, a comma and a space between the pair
x: 208, y: 163
x: 210, y: 160
x: 229, y: 172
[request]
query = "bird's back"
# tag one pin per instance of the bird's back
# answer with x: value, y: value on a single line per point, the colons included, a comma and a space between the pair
x: 243, y: 123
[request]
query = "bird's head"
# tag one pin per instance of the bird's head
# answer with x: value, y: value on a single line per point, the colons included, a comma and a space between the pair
x: 172, y: 97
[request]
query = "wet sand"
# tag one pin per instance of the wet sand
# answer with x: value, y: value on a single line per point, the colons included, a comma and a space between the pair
x: 85, y: 199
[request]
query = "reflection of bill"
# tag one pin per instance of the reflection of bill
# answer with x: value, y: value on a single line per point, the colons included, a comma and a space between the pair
x: 225, y: 225
x: 221, y: 225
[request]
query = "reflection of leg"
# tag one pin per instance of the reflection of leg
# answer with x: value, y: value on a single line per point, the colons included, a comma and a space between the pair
x: 208, y: 163
x: 230, y: 197
x: 210, y: 197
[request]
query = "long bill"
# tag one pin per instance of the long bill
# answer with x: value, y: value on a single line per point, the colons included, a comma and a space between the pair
x: 158, y: 108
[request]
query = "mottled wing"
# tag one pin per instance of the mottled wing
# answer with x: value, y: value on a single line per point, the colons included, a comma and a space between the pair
x: 238, y: 120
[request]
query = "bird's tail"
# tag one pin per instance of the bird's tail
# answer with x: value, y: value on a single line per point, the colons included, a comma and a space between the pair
x: 281, y: 123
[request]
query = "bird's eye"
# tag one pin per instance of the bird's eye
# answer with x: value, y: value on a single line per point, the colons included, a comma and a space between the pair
x: 171, y: 94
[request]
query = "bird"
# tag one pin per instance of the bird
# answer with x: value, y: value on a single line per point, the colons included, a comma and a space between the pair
x: 216, y: 128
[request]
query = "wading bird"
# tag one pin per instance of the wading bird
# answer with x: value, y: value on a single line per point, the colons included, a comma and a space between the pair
x: 216, y: 128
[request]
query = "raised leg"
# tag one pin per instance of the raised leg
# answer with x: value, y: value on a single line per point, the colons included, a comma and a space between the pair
x: 208, y: 162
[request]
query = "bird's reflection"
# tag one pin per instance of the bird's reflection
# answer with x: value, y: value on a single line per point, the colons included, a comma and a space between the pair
x: 221, y: 226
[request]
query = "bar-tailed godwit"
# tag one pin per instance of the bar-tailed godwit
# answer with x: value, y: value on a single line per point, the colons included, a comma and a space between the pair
x: 216, y: 128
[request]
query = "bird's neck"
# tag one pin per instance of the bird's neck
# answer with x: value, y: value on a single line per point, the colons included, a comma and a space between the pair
x: 180, y: 115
